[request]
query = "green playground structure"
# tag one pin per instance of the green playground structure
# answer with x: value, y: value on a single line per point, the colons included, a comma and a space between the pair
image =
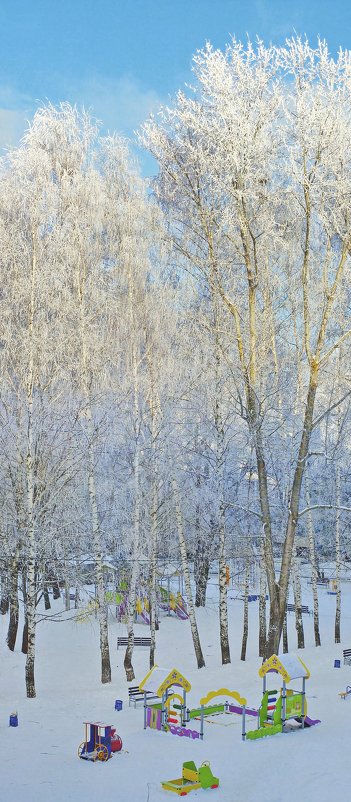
x: 271, y: 723
x: 192, y: 779
x: 278, y: 707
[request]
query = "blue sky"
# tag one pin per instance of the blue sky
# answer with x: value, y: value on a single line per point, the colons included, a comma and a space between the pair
x: 123, y: 57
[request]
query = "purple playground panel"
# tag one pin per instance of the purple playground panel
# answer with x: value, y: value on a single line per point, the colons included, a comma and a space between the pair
x: 154, y: 718
x: 239, y: 710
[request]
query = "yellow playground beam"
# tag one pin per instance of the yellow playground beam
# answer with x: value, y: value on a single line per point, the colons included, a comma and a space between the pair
x: 223, y: 692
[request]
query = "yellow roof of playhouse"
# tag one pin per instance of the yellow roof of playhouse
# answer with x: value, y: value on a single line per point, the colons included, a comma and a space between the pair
x: 289, y: 666
x: 158, y: 680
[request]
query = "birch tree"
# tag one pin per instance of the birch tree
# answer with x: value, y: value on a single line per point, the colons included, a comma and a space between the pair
x: 313, y: 560
x: 66, y: 138
x: 31, y: 333
x: 185, y: 568
x: 253, y: 168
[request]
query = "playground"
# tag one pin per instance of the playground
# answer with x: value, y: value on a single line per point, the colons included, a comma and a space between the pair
x: 169, y: 595
x: 275, y: 714
x: 52, y: 726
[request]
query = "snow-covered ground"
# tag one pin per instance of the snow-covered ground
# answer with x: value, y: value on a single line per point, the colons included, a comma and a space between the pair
x: 39, y: 760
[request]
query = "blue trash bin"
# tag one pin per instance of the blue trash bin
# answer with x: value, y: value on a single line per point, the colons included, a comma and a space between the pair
x: 118, y: 704
x: 13, y: 720
x: 336, y: 663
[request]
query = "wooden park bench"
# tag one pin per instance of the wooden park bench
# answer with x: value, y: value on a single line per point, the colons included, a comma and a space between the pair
x: 304, y: 609
x: 136, y: 695
x: 347, y: 657
x: 123, y: 641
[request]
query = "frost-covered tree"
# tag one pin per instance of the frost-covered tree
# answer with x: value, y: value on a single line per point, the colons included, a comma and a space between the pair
x: 31, y: 336
x: 69, y: 260
x: 254, y: 174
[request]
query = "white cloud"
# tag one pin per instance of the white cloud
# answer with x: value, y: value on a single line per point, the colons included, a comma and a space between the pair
x: 121, y: 104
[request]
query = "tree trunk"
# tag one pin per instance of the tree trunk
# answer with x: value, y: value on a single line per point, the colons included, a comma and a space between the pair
x: 46, y: 595
x: 337, y: 555
x: 13, y: 620
x: 313, y: 561
x: 31, y: 590
x: 5, y: 602
x: 24, y: 647
x: 262, y: 606
x: 135, y: 356
x: 96, y: 532
x: 297, y: 599
x: 201, y: 556
x: 76, y: 598
x: 278, y: 603
x: 128, y: 666
x: 155, y: 414
x: 246, y: 609
x: 67, y: 595
x: 285, y: 635
x: 201, y: 570
x: 98, y: 559
x: 223, y: 591
x: 47, y: 603
x: 186, y: 574
x: 275, y: 625
x: 31, y: 594
x: 220, y: 489
x: 152, y: 579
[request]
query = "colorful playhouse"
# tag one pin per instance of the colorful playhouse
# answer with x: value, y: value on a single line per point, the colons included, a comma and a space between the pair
x: 170, y: 687
x: 282, y: 709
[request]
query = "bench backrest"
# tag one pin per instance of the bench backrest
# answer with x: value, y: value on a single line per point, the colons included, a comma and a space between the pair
x: 121, y: 641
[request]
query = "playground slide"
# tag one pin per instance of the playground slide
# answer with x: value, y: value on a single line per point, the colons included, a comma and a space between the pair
x: 178, y: 609
x: 309, y: 722
x: 181, y: 613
